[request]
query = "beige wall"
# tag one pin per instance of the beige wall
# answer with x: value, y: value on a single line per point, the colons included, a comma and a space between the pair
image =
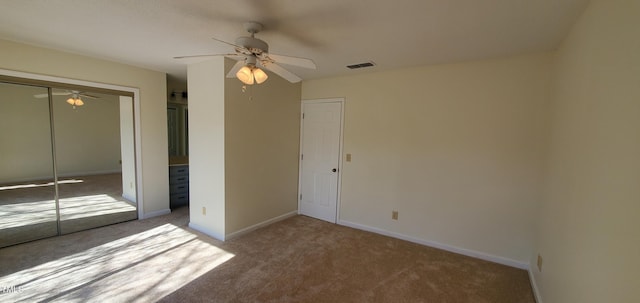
x: 589, y: 224
x: 153, y: 101
x: 244, y: 149
x: 456, y: 149
x: 262, y: 130
x: 88, y: 137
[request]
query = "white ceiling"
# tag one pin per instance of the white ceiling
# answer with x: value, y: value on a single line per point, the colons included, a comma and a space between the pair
x: 334, y: 33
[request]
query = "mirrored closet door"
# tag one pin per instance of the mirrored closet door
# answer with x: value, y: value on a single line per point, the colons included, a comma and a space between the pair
x: 27, y: 189
x: 67, y: 161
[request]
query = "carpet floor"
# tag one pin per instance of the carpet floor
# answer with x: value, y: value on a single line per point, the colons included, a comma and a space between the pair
x: 299, y: 259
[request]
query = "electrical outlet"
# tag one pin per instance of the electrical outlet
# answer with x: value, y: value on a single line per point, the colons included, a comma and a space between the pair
x: 539, y: 263
x: 130, y: 184
x: 204, y: 210
x: 394, y: 215
x: 348, y: 157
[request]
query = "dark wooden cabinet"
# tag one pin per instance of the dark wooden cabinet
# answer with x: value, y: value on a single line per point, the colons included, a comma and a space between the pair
x: 178, y: 185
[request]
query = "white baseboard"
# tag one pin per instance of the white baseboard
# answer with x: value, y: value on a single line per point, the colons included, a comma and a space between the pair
x: 458, y: 250
x: 534, y: 286
x: 261, y: 224
x: 206, y: 231
x: 156, y: 213
x: 90, y: 173
x: 49, y: 178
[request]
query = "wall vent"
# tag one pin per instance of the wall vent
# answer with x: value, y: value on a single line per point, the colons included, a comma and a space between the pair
x: 360, y: 65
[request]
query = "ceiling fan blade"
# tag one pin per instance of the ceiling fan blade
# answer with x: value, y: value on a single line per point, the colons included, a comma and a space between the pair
x: 204, y: 56
x: 235, y: 69
x: 228, y: 43
x: 278, y: 70
x: 88, y: 96
x: 295, y: 61
x: 54, y: 94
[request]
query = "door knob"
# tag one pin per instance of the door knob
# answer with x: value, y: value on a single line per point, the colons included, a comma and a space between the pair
x: 334, y: 170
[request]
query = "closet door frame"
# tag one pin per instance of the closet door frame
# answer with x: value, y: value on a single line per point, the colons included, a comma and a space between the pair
x: 53, y: 157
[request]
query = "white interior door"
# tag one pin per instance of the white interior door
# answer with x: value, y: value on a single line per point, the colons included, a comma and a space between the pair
x: 320, y: 159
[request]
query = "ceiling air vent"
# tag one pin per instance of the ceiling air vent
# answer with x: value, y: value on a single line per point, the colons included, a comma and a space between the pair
x: 360, y: 65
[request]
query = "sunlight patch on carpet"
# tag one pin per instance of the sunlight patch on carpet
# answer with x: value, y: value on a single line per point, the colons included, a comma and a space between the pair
x: 142, y: 267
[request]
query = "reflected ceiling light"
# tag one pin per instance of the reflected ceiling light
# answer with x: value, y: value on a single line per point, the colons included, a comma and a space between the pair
x: 75, y: 100
x: 250, y: 73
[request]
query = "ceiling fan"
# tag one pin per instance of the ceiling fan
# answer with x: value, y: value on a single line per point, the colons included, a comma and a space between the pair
x: 253, y: 54
x: 74, y: 100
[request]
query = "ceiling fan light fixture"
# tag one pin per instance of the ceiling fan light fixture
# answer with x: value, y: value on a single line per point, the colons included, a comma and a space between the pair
x: 250, y: 74
x: 245, y: 75
x: 260, y: 75
x: 71, y: 101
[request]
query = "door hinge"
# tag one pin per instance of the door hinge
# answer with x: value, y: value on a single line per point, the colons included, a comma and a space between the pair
x: 301, y: 156
x: 302, y: 115
x: 300, y: 196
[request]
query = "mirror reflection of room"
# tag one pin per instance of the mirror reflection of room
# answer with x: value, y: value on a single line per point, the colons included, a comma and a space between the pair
x: 67, y: 161
x: 88, y: 161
